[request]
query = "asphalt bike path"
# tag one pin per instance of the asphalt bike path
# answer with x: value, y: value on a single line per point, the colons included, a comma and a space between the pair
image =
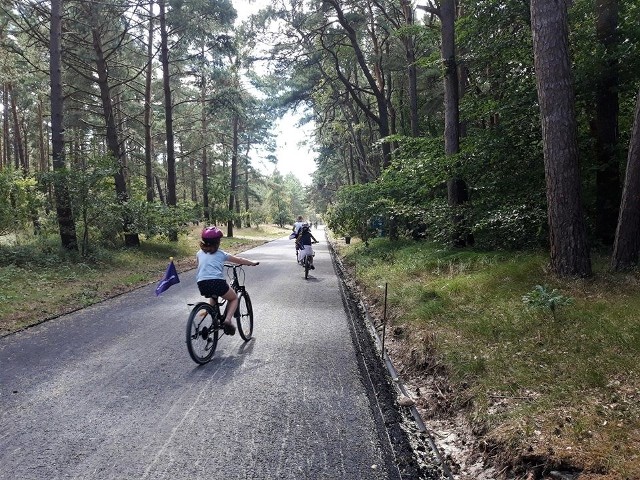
x: 111, y: 392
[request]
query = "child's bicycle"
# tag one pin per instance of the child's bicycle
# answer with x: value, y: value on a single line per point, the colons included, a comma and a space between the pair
x: 307, y: 261
x: 205, y: 321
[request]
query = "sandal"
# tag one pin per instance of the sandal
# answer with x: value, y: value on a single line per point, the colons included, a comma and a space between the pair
x: 228, y: 328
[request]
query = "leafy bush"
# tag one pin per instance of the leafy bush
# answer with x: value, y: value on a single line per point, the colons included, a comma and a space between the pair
x: 511, y: 227
x: 355, y: 207
x: 19, y: 200
x: 159, y: 220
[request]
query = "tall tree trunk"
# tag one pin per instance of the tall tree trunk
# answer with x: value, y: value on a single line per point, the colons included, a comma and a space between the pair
x: 463, y: 76
x: 606, y: 123
x: 351, y: 167
x: 148, y: 142
x: 168, y: 106
x: 64, y: 212
x: 412, y: 72
x: 121, y: 135
x: 2, y: 153
x: 25, y: 145
x: 204, y: 167
x: 451, y: 98
x: 160, y: 192
x: 457, y: 191
x: 627, y: 241
x: 205, y: 185
x: 192, y: 179
x: 246, y: 192
x: 17, y: 137
x: 393, y: 114
x: 43, y: 164
x: 237, y: 209
x: 131, y: 239
x: 234, y: 172
x: 568, y: 236
x: 185, y: 180
x: 6, y: 144
x: 168, y: 109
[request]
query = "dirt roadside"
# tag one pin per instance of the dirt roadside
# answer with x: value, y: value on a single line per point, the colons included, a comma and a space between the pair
x: 464, y: 455
x: 455, y: 456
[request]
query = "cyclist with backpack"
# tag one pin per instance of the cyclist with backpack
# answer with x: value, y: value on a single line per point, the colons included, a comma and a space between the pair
x: 304, y: 240
x: 297, y: 225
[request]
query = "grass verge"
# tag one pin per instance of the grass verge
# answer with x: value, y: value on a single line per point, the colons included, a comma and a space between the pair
x: 545, y: 369
x: 40, y: 281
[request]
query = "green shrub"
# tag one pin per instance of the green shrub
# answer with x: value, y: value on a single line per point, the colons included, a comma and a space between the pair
x: 540, y: 298
x: 511, y: 227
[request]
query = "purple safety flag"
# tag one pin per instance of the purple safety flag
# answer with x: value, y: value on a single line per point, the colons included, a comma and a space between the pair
x: 170, y: 278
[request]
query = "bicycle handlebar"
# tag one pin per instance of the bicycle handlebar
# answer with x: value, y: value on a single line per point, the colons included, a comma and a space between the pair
x: 238, y: 265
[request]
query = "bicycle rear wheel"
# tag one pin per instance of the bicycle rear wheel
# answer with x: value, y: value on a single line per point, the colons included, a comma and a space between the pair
x: 244, y: 316
x: 307, y: 266
x: 202, y: 332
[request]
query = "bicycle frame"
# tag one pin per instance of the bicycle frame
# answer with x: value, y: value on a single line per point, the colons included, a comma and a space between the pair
x: 234, y: 283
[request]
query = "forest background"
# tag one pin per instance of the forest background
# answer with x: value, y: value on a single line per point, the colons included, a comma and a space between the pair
x: 468, y: 127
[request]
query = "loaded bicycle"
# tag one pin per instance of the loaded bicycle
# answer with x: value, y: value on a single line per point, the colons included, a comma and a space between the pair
x: 304, y: 251
x: 305, y: 258
x: 204, y: 325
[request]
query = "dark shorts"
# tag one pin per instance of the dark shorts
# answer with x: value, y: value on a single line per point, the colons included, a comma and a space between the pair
x: 213, y: 288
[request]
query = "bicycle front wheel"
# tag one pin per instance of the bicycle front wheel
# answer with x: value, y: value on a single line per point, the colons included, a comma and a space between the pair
x: 202, y: 332
x: 244, y: 316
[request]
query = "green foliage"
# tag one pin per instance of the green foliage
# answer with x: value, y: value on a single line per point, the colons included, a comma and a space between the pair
x: 92, y: 195
x: 411, y: 198
x: 511, y: 227
x: 296, y: 194
x: 400, y: 198
x: 355, y: 207
x: 158, y: 220
x: 44, y: 253
x: 540, y: 298
x: 100, y: 214
x: 218, y: 189
x: 18, y: 200
x: 591, y: 60
x: 284, y: 199
x: 501, y: 157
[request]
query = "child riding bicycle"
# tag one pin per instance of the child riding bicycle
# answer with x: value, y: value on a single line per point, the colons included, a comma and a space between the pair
x: 210, y: 276
x: 303, y: 244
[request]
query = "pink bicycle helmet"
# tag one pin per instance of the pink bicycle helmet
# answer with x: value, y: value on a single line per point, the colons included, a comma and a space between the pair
x: 211, y: 234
